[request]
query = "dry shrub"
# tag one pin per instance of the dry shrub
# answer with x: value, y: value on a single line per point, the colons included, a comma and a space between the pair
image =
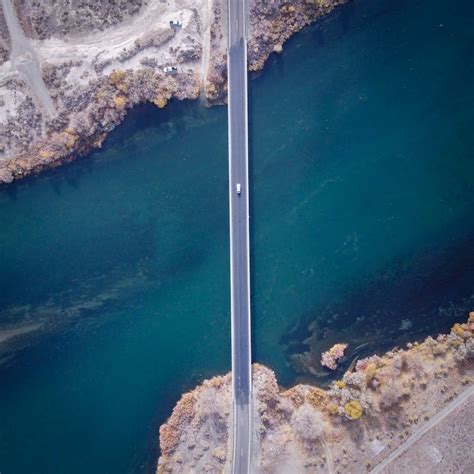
x: 307, y: 422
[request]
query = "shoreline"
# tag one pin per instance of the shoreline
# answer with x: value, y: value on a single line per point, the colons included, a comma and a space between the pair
x: 380, y: 407
x: 87, y: 110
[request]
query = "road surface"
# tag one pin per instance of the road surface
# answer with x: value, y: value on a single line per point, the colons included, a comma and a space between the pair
x: 24, y: 59
x: 239, y: 237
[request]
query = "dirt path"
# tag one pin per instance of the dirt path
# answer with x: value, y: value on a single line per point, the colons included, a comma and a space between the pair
x: 24, y: 60
x: 108, y: 45
x: 206, y: 42
x: 329, y: 458
x: 424, y: 429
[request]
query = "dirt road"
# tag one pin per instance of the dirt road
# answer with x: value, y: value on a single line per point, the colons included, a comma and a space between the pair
x: 448, y: 409
x: 24, y: 60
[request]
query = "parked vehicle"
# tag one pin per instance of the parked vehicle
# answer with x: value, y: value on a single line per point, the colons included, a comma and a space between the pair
x: 238, y: 188
x: 170, y: 69
x: 175, y: 23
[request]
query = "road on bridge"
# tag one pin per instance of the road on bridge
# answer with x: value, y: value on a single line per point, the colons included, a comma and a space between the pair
x: 239, y: 237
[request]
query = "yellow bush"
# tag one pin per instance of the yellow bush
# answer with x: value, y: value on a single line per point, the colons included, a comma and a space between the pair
x: 211, y: 91
x: 353, y: 409
x: 340, y: 384
x: 116, y: 77
x: 120, y: 101
x: 459, y: 330
x: 317, y: 398
x: 370, y: 371
x: 45, y: 154
x: 160, y: 101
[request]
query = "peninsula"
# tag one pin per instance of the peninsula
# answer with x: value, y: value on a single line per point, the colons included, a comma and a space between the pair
x: 409, y: 410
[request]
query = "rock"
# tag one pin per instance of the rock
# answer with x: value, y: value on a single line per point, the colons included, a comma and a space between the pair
x: 329, y: 358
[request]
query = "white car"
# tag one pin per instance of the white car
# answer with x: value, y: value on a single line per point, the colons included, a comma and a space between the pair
x: 175, y: 23
x: 170, y: 69
x: 238, y: 188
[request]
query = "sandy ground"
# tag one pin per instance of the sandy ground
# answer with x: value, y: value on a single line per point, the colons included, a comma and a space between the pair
x: 108, y: 46
x: 443, y: 446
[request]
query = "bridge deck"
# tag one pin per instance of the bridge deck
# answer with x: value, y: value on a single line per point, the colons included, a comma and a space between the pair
x: 239, y: 236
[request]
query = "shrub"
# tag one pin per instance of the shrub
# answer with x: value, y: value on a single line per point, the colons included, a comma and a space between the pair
x: 307, y: 422
x: 353, y: 410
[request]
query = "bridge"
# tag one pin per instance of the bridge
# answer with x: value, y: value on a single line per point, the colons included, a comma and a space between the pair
x: 239, y: 237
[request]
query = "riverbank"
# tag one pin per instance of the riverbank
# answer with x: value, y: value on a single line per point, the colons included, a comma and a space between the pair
x: 355, y: 425
x: 64, y: 86
x: 342, y: 235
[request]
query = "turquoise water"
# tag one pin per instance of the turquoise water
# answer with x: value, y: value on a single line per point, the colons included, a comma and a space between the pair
x: 365, y: 158
x: 362, y: 225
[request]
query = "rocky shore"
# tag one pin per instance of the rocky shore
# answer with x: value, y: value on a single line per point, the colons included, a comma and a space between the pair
x: 67, y: 78
x: 351, y: 427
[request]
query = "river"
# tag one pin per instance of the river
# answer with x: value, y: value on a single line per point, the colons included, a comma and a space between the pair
x: 116, y: 268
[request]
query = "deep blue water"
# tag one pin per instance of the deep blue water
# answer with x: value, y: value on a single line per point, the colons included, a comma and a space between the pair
x: 362, y: 227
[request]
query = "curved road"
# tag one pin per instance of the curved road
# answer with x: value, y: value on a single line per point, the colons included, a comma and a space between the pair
x: 239, y: 237
x: 24, y: 59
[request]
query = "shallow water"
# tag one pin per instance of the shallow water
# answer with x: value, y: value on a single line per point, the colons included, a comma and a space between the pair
x: 362, y: 225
